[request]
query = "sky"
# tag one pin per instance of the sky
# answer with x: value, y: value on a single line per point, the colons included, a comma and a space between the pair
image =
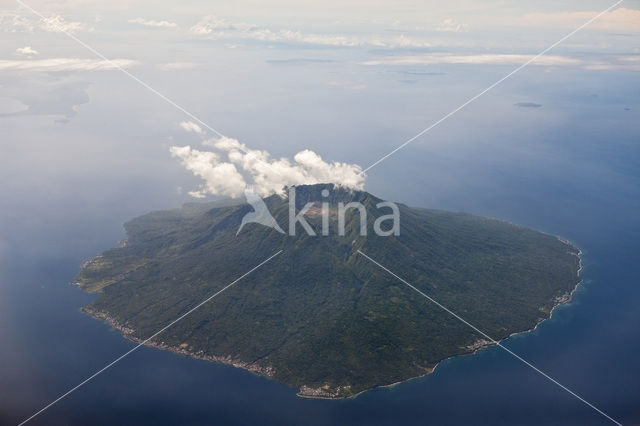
x: 284, y: 92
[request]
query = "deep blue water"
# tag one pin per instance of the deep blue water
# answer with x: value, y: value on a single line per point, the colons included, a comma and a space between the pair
x: 590, y: 345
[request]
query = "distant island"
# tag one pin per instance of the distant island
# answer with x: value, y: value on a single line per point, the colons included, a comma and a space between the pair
x: 320, y: 317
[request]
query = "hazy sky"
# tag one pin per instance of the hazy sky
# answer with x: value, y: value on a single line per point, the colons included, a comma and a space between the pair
x: 349, y: 81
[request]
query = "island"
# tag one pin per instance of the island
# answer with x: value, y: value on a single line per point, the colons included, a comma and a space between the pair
x: 320, y: 317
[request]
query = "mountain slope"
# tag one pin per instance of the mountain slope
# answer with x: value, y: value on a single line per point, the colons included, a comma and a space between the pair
x: 320, y: 316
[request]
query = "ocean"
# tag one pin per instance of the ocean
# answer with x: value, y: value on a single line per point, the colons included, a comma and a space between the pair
x: 590, y: 345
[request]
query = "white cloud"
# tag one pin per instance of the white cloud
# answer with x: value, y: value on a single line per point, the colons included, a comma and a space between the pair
x: 14, y: 22
x: 215, y: 28
x: 211, y: 23
x: 489, y: 59
x: 219, y: 178
x: 298, y: 37
x: 451, y: 26
x: 66, y: 64
x: 191, y: 127
x: 270, y: 175
x: 152, y: 23
x: 624, y: 63
x: 26, y: 51
x: 266, y: 175
x: 58, y: 24
x: 174, y: 66
x: 629, y: 59
x: 11, y: 106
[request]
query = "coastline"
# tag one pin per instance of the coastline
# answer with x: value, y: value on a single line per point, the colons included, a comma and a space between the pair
x: 324, y: 392
x: 127, y: 333
x: 566, y: 298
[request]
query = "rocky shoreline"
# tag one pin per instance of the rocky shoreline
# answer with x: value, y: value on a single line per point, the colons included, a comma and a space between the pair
x: 481, y: 344
x: 182, y: 349
x: 324, y: 392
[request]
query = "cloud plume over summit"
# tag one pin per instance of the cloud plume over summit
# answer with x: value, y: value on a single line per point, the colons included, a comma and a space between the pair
x: 232, y: 166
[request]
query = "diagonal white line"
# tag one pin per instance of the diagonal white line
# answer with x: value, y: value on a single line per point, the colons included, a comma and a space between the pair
x: 147, y: 340
x: 476, y: 329
x: 174, y: 104
x: 445, y: 117
x: 143, y: 84
x: 118, y: 67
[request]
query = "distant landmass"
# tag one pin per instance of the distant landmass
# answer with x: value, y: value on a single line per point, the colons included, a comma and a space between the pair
x: 527, y: 105
x: 320, y: 317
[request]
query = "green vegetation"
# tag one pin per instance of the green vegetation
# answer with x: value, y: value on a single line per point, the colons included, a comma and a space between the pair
x: 320, y: 315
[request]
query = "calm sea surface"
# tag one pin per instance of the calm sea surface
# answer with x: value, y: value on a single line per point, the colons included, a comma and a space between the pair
x: 590, y: 345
